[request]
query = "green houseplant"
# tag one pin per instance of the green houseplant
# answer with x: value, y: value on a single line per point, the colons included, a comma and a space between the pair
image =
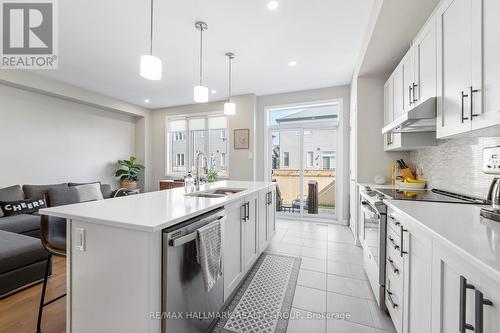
x: 212, y: 175
x: 129, y: 172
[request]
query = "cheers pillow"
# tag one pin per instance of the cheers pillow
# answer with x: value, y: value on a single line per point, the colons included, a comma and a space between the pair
x: 27, y: 206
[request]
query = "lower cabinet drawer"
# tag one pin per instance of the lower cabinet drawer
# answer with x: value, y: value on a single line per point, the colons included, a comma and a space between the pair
x: 394, y: 301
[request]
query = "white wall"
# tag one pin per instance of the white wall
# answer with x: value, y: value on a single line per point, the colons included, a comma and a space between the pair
x: 241, y: 164
x: 343, y: 93
x: 92, y: 102
x: 371, y: 158
x: 48, y: 140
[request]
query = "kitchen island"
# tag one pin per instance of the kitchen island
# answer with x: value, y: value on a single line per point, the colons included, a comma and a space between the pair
x: 114, y: 250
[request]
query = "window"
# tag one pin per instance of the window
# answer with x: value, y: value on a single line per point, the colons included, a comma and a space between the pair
x: 179, y: 136
x: 310, y: 159
x: 179, y: 160
x: 188, y: 136
x: 328, y: 161
x: 286, y: 159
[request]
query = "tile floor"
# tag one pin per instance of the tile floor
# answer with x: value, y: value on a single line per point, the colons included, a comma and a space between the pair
x: 331, y: 280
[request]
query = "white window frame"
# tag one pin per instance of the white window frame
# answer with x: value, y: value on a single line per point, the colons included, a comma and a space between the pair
x: 336, y: 125
x: 222, y: 159
x: 286, y: 159
x: 187, y: 160
x: 310, y: 159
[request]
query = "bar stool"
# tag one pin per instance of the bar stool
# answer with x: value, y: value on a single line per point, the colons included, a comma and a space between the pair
x: 53, y: 236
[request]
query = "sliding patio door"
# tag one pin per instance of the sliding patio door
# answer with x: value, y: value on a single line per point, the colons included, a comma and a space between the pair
x: 302, y: 160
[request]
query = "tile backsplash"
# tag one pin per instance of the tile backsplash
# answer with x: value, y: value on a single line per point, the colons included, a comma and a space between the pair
x: 455, y: 165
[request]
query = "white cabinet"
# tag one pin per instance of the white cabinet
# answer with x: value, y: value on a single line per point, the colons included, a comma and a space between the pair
x: 425, y: 53
x: 452, y: 296
x: 454, y: 67
x: 490, y: 290
x: 489, y: 11
x: 249, y: 227
x: 263, y: 215
x: 408, y: 69
x: 267, y: 217
x: 398, y: 99
x: 389, y: 101
x: 417, y: 279
x: 234, y: 267
x: 271, y: 213
x: 468, y: 68
x: 409, y: 279
x: 250, y: 224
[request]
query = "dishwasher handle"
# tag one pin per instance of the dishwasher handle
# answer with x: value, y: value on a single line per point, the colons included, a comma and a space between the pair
x: 189, y: 237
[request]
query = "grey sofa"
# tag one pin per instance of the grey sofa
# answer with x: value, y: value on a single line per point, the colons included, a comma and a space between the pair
x: 22, y: 256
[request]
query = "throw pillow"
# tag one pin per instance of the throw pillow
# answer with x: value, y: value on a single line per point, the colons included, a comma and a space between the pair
x: 28, y: 206
x: 89, y: 192
x: 63, y: 196
x: 11, y: 193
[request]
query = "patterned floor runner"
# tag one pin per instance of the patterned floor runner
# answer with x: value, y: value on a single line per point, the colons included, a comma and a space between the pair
x: 264, y: 300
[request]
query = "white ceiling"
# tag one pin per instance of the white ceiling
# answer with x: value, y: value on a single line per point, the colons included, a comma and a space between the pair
x: 101, y: 42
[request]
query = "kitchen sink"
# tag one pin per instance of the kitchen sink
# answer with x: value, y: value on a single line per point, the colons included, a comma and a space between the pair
x: 218, y: 192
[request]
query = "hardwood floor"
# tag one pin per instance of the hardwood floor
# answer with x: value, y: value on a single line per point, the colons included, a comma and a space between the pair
x: 18, y: 312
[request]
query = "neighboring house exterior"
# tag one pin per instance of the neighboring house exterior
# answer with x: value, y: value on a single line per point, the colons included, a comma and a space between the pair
x: 319, y: 145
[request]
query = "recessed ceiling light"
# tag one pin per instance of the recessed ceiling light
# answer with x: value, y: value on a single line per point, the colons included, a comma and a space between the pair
x: 292, y: 63
x: 213, y: 91
x: 272, y: 5
x: 147, y: 100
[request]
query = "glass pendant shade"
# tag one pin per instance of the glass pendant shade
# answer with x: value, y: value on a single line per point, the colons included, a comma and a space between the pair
x: 229, y: 108
x: 201, y: 94
x: 151, y: 67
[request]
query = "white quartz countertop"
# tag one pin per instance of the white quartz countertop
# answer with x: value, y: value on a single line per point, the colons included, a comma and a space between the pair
x: 459, y: 226
x: 153, y: 211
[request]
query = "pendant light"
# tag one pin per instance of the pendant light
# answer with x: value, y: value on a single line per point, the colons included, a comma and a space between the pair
x: 151, y: 65
x: 229, y: 107
x: 200, y: 91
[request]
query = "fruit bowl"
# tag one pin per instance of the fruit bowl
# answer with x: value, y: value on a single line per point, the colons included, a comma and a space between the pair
x: 416, y: 186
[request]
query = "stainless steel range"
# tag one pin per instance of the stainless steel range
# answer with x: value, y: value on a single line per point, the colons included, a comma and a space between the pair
x: 373, y: 240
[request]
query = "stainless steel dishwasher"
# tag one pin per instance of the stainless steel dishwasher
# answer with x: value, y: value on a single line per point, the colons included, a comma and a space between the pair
x: 186, y: 306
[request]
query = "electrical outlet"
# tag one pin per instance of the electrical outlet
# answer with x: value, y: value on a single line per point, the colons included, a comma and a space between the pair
x: 491, y: 160
x: 80, y: 239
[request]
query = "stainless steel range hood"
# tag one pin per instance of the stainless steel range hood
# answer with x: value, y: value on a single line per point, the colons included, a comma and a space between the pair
x: 422, y: 118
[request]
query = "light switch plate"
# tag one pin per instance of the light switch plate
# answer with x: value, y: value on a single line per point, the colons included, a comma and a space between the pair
x: 80, y: 239
x: 491, y: 160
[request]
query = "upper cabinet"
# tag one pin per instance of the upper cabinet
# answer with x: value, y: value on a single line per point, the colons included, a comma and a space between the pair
x: 398, y: 99
x: 424, y: 49
x: 389, y: 101
x: 468, y: 67
x: 409, y: 85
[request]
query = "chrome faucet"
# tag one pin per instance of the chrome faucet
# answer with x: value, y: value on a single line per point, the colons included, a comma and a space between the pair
x: 197, y: 176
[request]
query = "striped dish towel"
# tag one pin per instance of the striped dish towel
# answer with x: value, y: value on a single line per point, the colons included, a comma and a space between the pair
x: 209, y: 252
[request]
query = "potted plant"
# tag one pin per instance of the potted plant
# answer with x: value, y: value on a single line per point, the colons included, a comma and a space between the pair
x: 129, y: 172
x: 212, y: 175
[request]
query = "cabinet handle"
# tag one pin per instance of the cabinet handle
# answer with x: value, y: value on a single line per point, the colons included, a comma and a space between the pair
x: 415, y: 99
x: 462, y: 96
x: 472, y: 91
x: 401, y: 240
x: 462, y: 325
x: 480, y: 301
x: 396, y: 222
x: 410, y: 98
x: 389, y: 297
x: 396, y: 247
x: 394, y: 268
x: 248, y: 210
